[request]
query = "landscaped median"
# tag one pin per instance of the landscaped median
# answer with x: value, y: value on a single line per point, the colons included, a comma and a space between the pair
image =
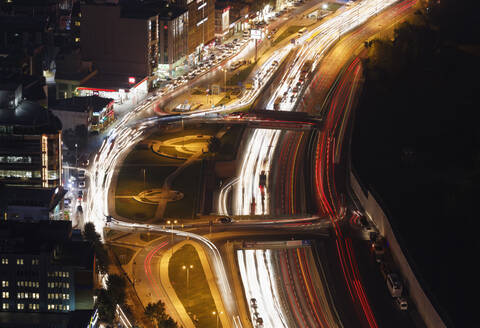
x: 141, y: 183
x: 199, y: 304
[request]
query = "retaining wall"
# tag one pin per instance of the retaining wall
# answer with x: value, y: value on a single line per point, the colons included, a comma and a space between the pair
x: 374, y: 211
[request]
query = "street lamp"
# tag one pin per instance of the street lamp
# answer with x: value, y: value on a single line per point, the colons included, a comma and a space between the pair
x: 76, y: 156
x: 188, y: 268
x: 225, y: 79
x: 217, y: 315
x: 171, y: 229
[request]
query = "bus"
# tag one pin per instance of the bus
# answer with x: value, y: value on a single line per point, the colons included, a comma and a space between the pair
x: 302, y: 30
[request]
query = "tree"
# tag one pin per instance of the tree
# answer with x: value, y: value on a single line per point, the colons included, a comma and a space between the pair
x: 156, y: 313
x: 101, y: 254
x: 168, y: 323
x: 116, y: 288
x: 214, y: 144
x: 105, y: 305
x: 90, y: 233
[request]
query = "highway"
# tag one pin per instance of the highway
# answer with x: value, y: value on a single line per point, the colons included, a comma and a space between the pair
x: 251, y: 194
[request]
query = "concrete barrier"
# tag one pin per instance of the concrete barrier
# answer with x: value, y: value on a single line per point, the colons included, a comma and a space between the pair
x: 375, y: 212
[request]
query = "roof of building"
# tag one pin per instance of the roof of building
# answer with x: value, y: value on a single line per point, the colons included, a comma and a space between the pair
x: 22, y: 23
x: 30, y: 114
x: 111, y: 82
x: 82, y: 104
x: 31, y: 196
x: 32, y: 236
x: 149, y: 8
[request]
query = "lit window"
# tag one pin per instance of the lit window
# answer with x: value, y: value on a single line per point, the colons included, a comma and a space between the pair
x: 5, y: 295
x: 68, y: 307
x: 20, y: 306
x: 4, y: 260
x: 4, y: 283
x: 19, y: 261
x: 35, y: 261
x: 77, y: 39
x: 77, y: 23
x: 5, y: 306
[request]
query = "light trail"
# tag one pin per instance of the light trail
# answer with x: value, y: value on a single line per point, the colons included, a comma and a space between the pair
x: 256, y: 266
x: 216, y: 260
x: 127, y: 133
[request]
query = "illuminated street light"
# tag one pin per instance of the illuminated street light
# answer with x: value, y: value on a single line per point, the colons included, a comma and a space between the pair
x: 171, y: 229
x: 325, y: 6
x: 217, y: 315
x: 188, y: 268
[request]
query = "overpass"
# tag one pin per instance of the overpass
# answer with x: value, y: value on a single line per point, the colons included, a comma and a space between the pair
x: 266, y: 119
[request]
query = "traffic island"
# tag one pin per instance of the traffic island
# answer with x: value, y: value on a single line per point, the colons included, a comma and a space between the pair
x: 188, y: 279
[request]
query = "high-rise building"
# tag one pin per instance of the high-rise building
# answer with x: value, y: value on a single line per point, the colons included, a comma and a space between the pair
x: 42, y: 269
x: 201, y: 26
x: 140, y: 38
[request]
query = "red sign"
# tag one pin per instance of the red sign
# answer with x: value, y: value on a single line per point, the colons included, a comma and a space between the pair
x: 131, y: 80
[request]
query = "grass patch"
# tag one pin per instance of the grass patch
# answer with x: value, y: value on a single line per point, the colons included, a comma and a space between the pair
x: 241, y: 76
x: 288, y: 32
x: 197, y: 299
x: 148, y: 237
x: 187, y: 182
x: 124, y: 254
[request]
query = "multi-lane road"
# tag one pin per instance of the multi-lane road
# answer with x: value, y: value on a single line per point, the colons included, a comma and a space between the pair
x: 271, y: 177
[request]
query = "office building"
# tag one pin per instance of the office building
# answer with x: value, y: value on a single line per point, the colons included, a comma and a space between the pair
x: 30, y: 141
x: 140, y: 39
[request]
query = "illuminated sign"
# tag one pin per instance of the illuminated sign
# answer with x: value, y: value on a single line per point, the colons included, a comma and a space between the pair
x: 131, y: 80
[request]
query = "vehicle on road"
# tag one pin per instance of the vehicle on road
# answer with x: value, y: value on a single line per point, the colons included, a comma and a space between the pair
x: 81, y: 184
x: 225, y: 219
x: 81, y: 175
x: 80, y: 208
x: 395, y: 286
x: 401, y: 303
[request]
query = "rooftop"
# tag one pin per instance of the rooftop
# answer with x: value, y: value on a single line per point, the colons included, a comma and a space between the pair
x: 82, y: 104
x: 30, y: 114
x: 30, y: 196
x: 111, y: 82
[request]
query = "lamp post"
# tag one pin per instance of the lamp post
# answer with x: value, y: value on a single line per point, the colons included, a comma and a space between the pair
x: 217, y: 315
x: 225, y: 79
x: 171, y: 229
x: 76, y: 157
x: 188, y: 268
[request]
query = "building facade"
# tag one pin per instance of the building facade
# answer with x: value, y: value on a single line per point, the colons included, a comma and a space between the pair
x: 95, y: 112
x: 30, y: 142
x: 38, y: 267
x: 139, y: 39
x: 201, y: 26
